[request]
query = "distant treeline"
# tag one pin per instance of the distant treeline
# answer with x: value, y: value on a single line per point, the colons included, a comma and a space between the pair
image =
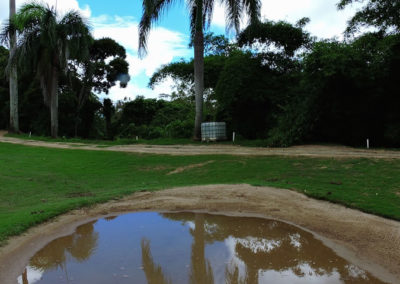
x: 275, y: 83
x: 279, y: 84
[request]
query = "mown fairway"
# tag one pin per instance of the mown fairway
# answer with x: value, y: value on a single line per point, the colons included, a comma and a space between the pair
x: 39, y: 183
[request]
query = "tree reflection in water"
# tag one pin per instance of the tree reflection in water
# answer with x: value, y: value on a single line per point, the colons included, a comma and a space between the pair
x: 80, y: 246
x: 223, y: 249
x: 200, y: 272
x: 232, y: 275
x: 153, y: 272
x: 262, y: 245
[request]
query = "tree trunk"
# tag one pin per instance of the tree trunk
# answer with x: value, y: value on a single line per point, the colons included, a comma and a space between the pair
x: 198, y: 69
x: 14, y: 122
x: 200, y: 273
x: 25, y: 277
x: 76, y: 125
x: 54, y: 103
x: 81, y: 100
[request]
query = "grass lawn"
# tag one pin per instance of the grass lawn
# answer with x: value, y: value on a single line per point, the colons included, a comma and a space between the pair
x: 39, y: 183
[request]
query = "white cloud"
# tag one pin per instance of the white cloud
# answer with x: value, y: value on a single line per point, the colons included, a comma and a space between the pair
x: 33, y: 274
x: 133, y: 90
x: 163, y: 46
x: 326, y: 20
x: 62, y: 7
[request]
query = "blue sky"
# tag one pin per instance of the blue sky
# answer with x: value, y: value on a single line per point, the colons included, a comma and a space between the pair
x: 168, y: 40
x: 174, y: 20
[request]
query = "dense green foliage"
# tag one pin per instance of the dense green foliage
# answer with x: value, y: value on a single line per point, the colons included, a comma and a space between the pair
x: 282, y: 34
x: 200, y: 15
x: 46, y: 42
x: 275, y: 83
x: 382, y: 14
x: 151, y: 118
x: 355, y: 93
x: 40, y: 183
x: 58, y: 57
x: 294, y: 89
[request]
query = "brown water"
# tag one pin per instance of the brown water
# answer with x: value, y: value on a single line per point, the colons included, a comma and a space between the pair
x: 189, y: 248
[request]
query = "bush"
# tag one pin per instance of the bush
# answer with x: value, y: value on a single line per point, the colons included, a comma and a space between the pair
x: 180, y: 129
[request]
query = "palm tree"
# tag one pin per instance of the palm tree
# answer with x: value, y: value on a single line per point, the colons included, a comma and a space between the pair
x: 46, y: 42
x: 14, y: 123
x: 200, y: 18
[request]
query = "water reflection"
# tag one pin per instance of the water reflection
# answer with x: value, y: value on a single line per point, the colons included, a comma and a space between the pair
x: 154, y: 273
x: 201, y: 271
x: 190, y: 248
x: 78, y: 246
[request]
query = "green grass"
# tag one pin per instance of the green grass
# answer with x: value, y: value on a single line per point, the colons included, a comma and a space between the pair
x: 39, y: 183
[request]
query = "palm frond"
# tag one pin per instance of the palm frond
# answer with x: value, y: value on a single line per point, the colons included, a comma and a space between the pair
x: 206, y: 15
x: 46, y: 42
x: 48, y: 30
x: 253, y: 10
x: 152, y: 11
x: 208, y: 8
x: 6, y: 30
x: 75, y: 29
x: 30, y: 15
x: 28, y: 47
x: 193, y: 12
x: 233, y: 13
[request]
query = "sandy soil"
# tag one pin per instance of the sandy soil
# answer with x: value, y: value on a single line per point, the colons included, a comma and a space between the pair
x: 211, y: 149
x: 369, y: 241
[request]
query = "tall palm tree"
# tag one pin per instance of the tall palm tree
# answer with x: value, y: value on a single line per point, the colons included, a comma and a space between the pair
x: 200, y: 18
x: 46, y: 42
x: 14, y: 122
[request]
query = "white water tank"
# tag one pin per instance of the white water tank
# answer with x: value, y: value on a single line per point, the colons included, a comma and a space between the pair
x: 213, y: 131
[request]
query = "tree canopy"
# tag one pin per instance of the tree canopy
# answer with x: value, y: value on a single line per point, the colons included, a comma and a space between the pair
x: 382, y: 14
x: 45, y: 44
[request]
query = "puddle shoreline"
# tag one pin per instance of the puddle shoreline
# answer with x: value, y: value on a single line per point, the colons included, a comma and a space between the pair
x: 229, y: 200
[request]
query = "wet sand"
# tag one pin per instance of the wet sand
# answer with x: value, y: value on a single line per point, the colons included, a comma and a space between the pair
x: 366, y: 240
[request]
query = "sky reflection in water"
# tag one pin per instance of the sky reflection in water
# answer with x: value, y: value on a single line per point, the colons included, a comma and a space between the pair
x: 189, y: 248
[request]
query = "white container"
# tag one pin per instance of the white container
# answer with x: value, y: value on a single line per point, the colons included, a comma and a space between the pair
x: 213, y: 131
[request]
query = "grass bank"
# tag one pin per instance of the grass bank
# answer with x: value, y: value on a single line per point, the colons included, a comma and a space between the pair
x: 39, y: 183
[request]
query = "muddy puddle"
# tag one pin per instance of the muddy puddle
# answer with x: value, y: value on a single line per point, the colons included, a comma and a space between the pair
x: 160, y: 248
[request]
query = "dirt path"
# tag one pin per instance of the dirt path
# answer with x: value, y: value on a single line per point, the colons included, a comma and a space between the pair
x: 369, y: 241
x: 212, y: 149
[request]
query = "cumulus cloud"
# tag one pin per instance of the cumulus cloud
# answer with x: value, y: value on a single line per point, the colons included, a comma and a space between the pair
x: 163, y: 46
x: 62, y: 6
x: 326, y: 20
x: 134, y: 89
